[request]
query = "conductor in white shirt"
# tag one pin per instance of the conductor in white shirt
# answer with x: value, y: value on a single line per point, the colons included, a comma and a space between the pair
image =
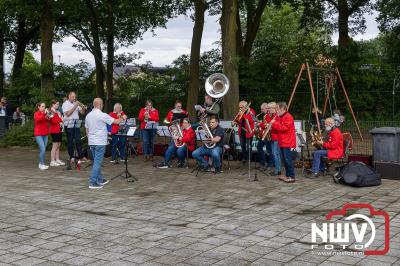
x: 96, y: 129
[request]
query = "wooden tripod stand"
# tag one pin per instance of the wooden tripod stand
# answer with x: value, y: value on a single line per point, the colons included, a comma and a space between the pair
x: 304, y: 67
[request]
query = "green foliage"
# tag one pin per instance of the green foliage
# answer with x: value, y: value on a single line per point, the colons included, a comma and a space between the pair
x: 19, y: 136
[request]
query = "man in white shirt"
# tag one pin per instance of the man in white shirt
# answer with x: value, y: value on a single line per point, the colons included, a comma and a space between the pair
x: 96, y: 130
x: 71, y: 109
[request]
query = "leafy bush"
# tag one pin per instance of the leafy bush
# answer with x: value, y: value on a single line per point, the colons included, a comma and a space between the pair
x: 19, y: 136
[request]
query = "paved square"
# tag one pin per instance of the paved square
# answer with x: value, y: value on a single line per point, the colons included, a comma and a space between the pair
x: 171, y: 217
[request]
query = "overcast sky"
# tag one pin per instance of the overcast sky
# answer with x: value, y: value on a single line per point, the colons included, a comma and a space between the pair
x: 169, y: 43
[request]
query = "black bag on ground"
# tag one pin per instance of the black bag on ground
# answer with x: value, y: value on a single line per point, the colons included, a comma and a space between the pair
x: 357, y: 174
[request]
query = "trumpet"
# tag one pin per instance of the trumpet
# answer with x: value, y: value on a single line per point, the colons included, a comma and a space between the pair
x: 81, y: 105
x: 49, y: 114
x: 203, y: 126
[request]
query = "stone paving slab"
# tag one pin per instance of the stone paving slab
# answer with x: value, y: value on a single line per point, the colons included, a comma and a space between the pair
x: 172, y: 217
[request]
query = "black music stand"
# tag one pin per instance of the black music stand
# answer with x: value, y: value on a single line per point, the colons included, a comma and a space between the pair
x: 126, y: 174
x: 73, y: 123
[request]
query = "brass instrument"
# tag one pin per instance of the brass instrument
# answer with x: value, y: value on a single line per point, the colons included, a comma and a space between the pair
x: 146, y: 114
x: 216, y: 86
x: 315, y: 137
x: 208, y: 134
x: 49, y: 114
x: 267, y: 132
x: 176, y: 133
x: 81, y: 105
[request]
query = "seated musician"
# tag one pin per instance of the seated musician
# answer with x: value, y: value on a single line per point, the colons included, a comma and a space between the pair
x: 215, y: 152
x: 176, y: 113
x: 188, y: 140
x: 209, y: 108
x: 246, y: 129
x: 332, y: 148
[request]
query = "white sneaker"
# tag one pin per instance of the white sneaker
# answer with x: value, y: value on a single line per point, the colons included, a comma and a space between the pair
x: 60, y: 162
x: 54, y: 163
x: 43, y: 167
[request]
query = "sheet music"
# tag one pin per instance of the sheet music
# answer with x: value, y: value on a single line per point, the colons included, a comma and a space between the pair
x: 73, y: 123
x: 131, y: 131
x: 151, y: 125
x: 163, y: 131
x: 201, y: 135
x: 197, y: 107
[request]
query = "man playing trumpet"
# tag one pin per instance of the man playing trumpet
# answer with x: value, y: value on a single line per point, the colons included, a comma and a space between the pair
x: 180, y: 145
x: 71, y: 109
x: 215, y: 152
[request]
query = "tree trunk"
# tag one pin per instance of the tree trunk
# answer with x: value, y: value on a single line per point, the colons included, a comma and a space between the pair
x: 20, y: 44
x: 46, y: 49
x: 229, y: 30
x: 97, y: 53
x: 110, y: 55
x: 193, y: 90
x: 239, y: 35
x: 252, y: 28
x: 1, y: 63
x: 344, y: 38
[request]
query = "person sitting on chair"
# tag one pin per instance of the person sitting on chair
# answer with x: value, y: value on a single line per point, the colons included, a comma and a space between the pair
x: 215, y: 152
x: 332, y: 148
x: 176, y: 113
x: 186, y: 142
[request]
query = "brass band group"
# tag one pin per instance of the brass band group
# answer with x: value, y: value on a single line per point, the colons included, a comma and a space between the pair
x: 273, y: 127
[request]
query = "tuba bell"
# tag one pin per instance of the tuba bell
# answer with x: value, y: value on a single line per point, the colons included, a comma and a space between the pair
x: 203, y: 126
x: 217, y: 85
x: 176, y: 133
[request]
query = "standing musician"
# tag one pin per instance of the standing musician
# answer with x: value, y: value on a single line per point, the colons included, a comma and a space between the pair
x: 284, y: 125
x: 209, y: 108
x: 276, y: 151
x: 215, y: 153
x: 176, y: 113
x: 147, y: 114
x: 188, y: 140
x: 265, y: 161
x: 71, y: 109
x: 56, y: 124
x: 41, y: 131
x: 117, y: 141
x: 333, y: 148
x: 246, y: 129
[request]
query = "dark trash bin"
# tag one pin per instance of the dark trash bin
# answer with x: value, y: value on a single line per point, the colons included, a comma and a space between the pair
x: 386, y: 144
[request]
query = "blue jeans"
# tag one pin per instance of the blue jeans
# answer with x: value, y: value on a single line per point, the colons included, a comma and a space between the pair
x: 215, y: 153
x: 172, y: 149
x: 265, y: 160
x: 148, y: 136
x: 318, y: 164
x: 74, y: 137
x: 98, y: 155
x: 118, y: 141
x: 42, y: 142
x: 287, y: 159
x: 244, y: 144
x: 276, y: 154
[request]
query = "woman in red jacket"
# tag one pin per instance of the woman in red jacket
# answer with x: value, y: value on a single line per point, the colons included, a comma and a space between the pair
x: 284, y: 126
x: 188, y: 139
x: 148, y: 115
x: 332, y: 148
x: 117, y: 141
x: 56, y: 123
x: 41, y: 132
x: 246, y: 130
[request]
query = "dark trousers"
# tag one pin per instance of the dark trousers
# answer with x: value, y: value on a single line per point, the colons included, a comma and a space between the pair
x: 148, y: 137
x: 287, y: 159
x: 118, y: 141
x: 245, y: 144
x: 74, y: 137
x: 265, y: 159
